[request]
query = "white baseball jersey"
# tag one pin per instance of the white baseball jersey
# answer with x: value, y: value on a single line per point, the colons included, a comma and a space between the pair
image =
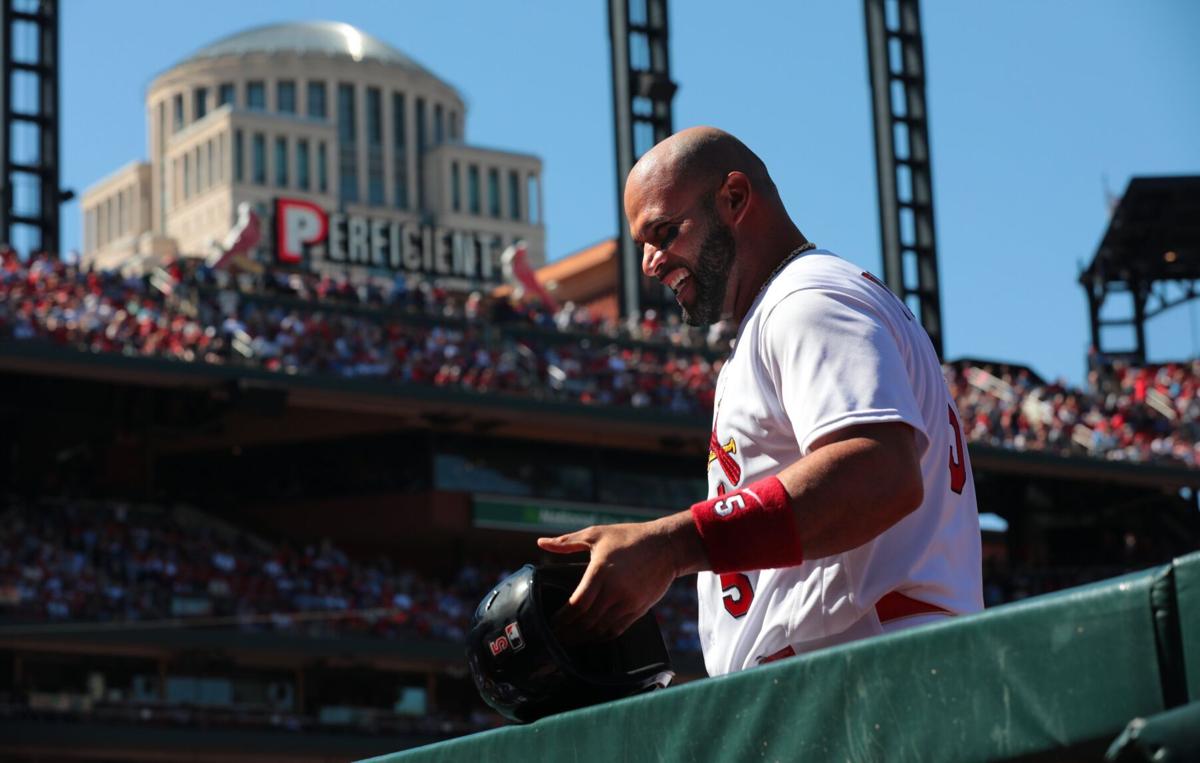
x: 827, y: 346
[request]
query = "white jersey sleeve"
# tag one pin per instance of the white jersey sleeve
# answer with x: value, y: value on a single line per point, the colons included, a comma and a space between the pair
x: 836, y: 364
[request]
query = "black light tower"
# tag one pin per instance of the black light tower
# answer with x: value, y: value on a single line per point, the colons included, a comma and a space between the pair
x: 642, y: 94
x: 29, y: 145
x: 896, y: 59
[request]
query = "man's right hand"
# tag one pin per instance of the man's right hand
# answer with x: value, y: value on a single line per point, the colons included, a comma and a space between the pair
x: 630, y: 568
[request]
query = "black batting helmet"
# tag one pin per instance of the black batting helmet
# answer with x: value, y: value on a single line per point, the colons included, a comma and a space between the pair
x: 524, y: 672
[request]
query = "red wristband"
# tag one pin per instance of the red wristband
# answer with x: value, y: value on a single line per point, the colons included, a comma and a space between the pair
x: 749, y: 529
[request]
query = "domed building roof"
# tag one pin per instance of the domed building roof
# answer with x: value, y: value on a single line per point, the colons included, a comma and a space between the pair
x: 328, y: 38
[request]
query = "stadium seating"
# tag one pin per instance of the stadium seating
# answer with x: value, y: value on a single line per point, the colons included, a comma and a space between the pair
x: 162, y: 316
x: 1150, y: 414
x: 87, y: 561
x: 65, y: 560
x: 413, y: 333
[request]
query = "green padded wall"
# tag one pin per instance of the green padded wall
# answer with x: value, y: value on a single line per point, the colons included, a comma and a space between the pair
x: 1049, y: 673
x: 1187, y: 598
x: 1169, y: 737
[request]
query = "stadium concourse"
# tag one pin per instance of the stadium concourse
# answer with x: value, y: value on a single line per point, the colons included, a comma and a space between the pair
x: 171, y: 602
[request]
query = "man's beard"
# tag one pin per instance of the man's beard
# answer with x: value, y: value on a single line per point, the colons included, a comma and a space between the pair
x: 710, y: 277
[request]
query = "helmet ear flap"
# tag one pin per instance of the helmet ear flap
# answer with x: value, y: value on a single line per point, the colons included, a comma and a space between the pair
x: 525, y: 673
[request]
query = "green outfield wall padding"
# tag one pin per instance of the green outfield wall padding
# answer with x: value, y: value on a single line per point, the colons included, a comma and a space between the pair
x: 1046, y: 674
x: 1187, y: 595
x: 1170, y: 737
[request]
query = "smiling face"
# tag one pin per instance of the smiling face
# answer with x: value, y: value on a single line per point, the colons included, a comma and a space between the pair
x: 685, y: 245
x: 707, y: 216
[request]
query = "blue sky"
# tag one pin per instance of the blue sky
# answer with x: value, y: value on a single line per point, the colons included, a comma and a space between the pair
x: 1032, y: 105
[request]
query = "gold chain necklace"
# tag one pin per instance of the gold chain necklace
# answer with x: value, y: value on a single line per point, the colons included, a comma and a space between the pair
x: 807, y: 245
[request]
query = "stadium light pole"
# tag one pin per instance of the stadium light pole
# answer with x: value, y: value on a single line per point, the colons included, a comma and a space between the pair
x: 896, y: 62
x: 29, y: 149
x: 642, y: 95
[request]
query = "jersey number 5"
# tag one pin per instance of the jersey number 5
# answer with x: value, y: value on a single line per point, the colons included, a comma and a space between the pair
x: 958, y: 467
x: 736, y: 593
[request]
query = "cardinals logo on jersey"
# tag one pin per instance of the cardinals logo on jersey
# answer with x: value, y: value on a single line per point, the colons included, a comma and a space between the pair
x: 724, y: 455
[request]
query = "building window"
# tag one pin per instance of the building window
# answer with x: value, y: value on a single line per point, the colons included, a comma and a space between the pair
x: 281, y: 162
x: 535, y: 200
x: 439, y: 125
x: 454, y: 133
x: 199, y: 102
x: 316, y: 100
x: 322, y: 169
x: 375, y: 185
x: 346, y: 114
x: 494, y: 192
x: 374, y: 146
x: 374, y: 117
x: 473, y: 189
x: 258, y: 159
x: 399, y: 149
x: 239, y: 157
x: 201, y: 179
x: 422, y: 144
x: 226, y: 94
x: 514, y: 195
x: 187, y: 176
x: 256, y: 95
x: 177, y: 110
x: 302, y: 164
x: 285, y: 96
x: 455, y: 188
x: 221, y: 158
x: 347, y: 144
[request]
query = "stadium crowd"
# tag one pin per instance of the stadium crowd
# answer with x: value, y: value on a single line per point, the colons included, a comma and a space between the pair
x: 70, y: 561
x: 412, y: 332
x: 434, y: 339
x: 1145, y: 414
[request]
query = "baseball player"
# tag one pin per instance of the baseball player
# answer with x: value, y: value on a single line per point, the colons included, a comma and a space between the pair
x: 841, y: 503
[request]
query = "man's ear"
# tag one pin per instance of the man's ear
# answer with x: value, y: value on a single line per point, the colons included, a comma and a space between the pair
x: 733, y: 198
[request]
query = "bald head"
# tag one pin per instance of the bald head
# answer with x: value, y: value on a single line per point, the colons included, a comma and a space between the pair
x: 697, y: 157
x: 709, y: 221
